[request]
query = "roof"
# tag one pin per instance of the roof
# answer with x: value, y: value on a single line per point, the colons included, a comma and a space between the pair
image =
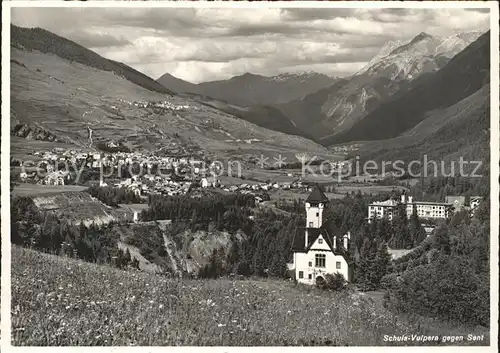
x: 453, y: 199
x: 389, y: 202
x: 328, y: 231
x: 457, y: 201
x: 317, y: 196
x: 433, y: 203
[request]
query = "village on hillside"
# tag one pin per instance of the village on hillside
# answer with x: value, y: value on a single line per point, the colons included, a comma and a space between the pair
x: 143, y: 173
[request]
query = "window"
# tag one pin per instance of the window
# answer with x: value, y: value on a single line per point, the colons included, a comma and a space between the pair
x: 320, y: 241
x: 317, y: 214
x: 310, y: 276
x: 320, y: 260
x: 310, y: 264
x: 310, y: 224
x: 301, y: 274
x: 337, y: 265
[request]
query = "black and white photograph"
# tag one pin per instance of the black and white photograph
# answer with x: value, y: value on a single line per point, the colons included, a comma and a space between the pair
x: 250, y: 174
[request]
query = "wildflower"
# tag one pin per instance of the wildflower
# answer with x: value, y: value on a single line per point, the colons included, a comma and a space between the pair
x: 221, y: 325
x: 161, y: 306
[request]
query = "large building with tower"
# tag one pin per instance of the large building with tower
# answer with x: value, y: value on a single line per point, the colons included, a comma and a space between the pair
x: 319, y: 248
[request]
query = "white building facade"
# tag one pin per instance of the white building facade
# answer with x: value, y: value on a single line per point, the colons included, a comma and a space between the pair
x: 430, y: 210
x: 381, y: 209
x: 424, y: 209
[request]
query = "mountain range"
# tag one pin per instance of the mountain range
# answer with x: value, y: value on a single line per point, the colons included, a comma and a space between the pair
x: 255, y: 98
x: 250, y: 89
x: 339, y: 107
x: 462, y: 76
x: 323, y: 108
x: 58, y: 88
x: 406, y: 99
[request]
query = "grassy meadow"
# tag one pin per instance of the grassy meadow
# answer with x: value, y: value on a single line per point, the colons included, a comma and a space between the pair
x: 60, y: 301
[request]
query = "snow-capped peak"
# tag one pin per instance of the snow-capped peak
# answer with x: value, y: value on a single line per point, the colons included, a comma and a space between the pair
x: 409, y: 59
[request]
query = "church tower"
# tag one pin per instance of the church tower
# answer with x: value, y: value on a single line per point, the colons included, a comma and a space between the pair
x: 315, y: 205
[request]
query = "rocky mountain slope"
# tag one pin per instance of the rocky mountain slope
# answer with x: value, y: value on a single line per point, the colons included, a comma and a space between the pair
x: 424, y: 53
x: 250, y: 89
x: 464, y: 75
x: 337, y: 108
x: 60, y: 87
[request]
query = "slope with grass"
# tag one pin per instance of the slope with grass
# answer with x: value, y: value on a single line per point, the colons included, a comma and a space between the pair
x: 59, y: 301
x: 44, y: 41
x: 266, y: 116
x: 258, y: 112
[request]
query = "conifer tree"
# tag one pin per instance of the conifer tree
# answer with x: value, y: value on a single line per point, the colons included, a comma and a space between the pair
x: 442, y: 239
x: 382, y: 263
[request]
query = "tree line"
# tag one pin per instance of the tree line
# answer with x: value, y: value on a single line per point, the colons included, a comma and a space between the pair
x: 448, y: 276
x: 113, y: 196
x: 43, y: 231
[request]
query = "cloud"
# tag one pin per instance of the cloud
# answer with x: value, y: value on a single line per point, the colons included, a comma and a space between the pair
x: 480, y: 10
x: 304, y: 14
x: 96, y: 39
x: 199, y: 44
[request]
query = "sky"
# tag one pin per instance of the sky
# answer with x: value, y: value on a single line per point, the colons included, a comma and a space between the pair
x: 203, y: 44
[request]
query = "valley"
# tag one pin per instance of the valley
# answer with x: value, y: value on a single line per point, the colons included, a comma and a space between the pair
x: 229, y: 213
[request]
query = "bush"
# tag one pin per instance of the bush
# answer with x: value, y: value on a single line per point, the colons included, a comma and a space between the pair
x: 335, y: 282
x: 389, y: 281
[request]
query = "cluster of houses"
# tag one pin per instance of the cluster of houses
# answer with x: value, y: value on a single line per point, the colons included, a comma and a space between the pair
x: 424, y: 209
x: 213, y: 182
x: 160, y: 104
x: 151, y: 184
x: 57, y: 163
x: 178, y: 174
x: 344, y: 149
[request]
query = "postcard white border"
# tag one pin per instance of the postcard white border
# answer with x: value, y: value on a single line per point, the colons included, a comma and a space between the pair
x: 5, y: 171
